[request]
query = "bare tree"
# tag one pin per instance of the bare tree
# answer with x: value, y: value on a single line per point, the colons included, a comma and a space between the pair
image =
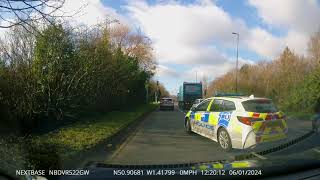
x: 27, y: 12
x: 17, y: 47
x: 314, y: 48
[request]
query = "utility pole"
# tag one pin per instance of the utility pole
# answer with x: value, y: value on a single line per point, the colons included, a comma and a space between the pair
x: 156, y: 93
x: 237, y: 34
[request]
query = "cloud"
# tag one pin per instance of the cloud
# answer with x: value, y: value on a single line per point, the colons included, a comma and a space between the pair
x: 164, y: 71
x: 209, y: 71
x: 89, y: 12
x: 264, y: 43
x: 182, y: 33
x: 297, y: 41
x: 299, y: 18
x: 186, y: 54
x: 212, y: 71
x: 302, y: 16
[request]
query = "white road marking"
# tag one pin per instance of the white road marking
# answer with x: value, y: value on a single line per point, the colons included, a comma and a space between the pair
x: 257, y: 155
x: 316, y: 150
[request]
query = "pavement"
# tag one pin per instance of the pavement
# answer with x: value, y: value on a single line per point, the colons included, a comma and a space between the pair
x: 161, y: 139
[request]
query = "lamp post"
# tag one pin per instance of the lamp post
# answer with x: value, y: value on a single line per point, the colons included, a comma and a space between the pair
x: 237, y: 34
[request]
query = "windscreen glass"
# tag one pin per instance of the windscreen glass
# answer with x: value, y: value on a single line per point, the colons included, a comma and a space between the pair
x: 192, y: 89
x: 260, y: 106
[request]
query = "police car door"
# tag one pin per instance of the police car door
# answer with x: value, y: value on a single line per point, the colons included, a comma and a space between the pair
x: 201, y: 117
x: 216, y: 108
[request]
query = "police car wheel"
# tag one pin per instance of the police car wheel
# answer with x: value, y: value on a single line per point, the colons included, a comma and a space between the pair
x: 224, y: 140
x: 188, y: 126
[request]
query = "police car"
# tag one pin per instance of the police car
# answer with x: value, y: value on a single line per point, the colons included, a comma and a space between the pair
x: 237, y: 122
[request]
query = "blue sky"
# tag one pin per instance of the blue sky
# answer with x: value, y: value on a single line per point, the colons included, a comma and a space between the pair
x: 195, y: 36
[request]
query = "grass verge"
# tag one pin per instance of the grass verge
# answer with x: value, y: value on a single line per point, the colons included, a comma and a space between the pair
x: 87, y: 133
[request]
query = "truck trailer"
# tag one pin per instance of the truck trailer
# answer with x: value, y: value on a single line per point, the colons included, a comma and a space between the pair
x: 188, y: 93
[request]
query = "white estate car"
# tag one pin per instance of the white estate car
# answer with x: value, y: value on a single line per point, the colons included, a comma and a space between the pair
x: 237, y: 122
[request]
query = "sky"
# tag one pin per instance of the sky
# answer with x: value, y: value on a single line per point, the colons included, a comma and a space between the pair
x: 193, y: 38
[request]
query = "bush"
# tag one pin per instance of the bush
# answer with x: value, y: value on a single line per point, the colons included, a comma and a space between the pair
x: 306, y: 94
x: 55, y: 74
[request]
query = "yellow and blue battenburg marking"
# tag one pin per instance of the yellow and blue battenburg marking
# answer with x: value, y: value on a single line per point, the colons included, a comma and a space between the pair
x: 201, y: 119
x: 208, y: 120
x: 224, y: 119
x: 268, y: 129
x: 191, y: 114
x: 218, y: 165
x: 205, y: 117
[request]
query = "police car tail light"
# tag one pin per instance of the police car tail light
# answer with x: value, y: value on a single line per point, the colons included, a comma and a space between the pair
x: 244, y: 120
x: 248, y: 120
x: 268, y: 117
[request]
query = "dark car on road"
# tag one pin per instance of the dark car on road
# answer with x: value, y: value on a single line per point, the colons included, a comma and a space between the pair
x: 166, y: 103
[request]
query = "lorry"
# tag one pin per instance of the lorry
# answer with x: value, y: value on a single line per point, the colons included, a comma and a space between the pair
x: 188, y: 93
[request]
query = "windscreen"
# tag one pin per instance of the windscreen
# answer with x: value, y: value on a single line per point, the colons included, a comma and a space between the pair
x: 166, y: 100
x: 118, y: 85
x: 193, y: 89
x: 260, y: 106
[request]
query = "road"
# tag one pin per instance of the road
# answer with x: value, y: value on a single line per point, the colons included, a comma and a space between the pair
x: 161, y: 139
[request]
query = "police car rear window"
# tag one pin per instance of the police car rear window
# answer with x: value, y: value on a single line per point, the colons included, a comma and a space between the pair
x: 260, y: 106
